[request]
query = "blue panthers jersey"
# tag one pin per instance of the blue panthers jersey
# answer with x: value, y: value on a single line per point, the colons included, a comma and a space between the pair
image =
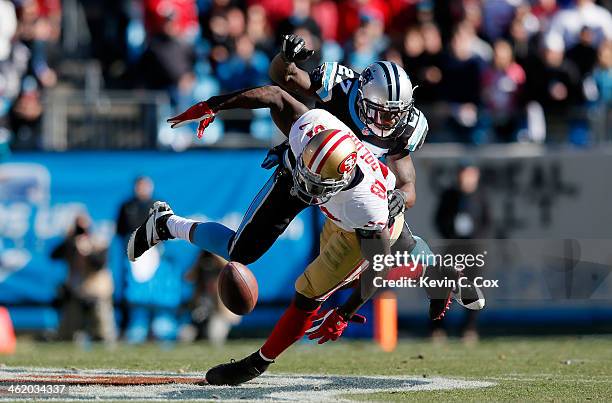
x: 337, y: 88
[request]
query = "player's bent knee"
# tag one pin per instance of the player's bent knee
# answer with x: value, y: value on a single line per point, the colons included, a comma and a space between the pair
x: 304, y: 287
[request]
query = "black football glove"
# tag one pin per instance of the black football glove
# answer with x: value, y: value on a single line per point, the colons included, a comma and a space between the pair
x: 275, y: 155
x: 294, y: 49
x: 397, y: 202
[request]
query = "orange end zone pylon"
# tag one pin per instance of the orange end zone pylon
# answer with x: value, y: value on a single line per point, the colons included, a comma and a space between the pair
x: 385, y: 320
x: 7, y: 333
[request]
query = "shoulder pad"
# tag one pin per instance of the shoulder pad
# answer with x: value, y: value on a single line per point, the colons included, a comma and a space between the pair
x: 416, y: 131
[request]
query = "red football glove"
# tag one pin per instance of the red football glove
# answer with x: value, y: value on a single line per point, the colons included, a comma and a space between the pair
x: 199, y: 112
x: 329, y: 325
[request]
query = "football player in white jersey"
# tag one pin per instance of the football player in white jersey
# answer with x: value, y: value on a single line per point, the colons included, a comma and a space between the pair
x: 331, y: 168
x: 275, y: 205
x: 377, y: 105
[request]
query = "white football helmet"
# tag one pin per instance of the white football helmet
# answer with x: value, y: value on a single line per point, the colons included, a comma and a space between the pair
x: 385, y: 102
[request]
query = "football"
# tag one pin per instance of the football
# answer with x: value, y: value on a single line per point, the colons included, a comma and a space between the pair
x: 238, y: 288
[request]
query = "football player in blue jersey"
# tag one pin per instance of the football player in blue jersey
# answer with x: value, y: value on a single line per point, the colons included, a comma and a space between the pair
x: 378, y: 105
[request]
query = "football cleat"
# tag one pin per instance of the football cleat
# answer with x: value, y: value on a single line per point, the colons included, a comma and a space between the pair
x: 439, y: 307
x: 151, y: 232
x: 441, y: 296
x: 470, y: 297
x: 237, y: 372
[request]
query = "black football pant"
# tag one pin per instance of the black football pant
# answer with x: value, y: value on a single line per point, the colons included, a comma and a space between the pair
x: 268, y: 216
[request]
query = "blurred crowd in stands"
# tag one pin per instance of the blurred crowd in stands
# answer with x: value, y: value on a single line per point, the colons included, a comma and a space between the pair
x: 487, y: 71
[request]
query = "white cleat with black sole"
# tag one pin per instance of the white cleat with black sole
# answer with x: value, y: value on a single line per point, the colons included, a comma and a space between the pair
x: 151, y: 232
x: 470, y: 297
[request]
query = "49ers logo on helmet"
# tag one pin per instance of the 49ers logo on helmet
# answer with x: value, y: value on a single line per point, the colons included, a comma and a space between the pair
x: 348, y: 163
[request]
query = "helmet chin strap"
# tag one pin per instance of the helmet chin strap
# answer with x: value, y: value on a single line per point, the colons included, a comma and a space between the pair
x: 373, y: 129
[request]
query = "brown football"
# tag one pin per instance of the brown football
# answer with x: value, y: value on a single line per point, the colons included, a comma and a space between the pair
x: 238, y: 288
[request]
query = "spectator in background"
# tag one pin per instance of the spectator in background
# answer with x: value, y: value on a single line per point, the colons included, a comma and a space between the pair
x: 568, y: 23
x: 109, y: 24
x: 13, y: 64
x: 463, y: 214
x: 211, y: 319
x: 477, y: 47
x: 87, y: 304
x: 36, y: 31
x: 430, y: 76
x: 352, y: 13
x: 300, y: 18
x: 524, y: 43
x: 461, y: 87
x: 602, y: 77
x: 132, y: 213
x: 413, y: 54
x: 497, y: 16
x: 603, y: 74
x: 422, y: 58
x: 554, y: 82
x: 218, y: 36
x: 503, y: 83
x: 167, y: 63
x: 26, y: 115
x: 183, y: 14
x: 259, y: 31
x: 276, y: 10
x: 447, y: 15
x: 236, y: 23
x: 21, y: 77
x: 365, y: 47
x: 325, y: 14
x: 248, y: 67
x: 530, y: 22
x: 584, y: 53
x: 544, y: 11
x: 135, y: 210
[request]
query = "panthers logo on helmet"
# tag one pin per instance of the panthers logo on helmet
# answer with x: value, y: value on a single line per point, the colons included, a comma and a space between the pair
x: 348, y: 163
x: 367, y: 76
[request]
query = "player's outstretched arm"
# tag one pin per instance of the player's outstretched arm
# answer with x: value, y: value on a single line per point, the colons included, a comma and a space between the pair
x: 284, y: 108
x: 286, y: 73
x: 372, y: 243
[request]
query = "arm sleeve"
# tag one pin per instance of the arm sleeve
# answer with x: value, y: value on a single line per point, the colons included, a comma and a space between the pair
x: 326, y: 76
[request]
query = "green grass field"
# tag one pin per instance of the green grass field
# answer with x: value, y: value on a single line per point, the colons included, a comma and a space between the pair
x: 542, y: 369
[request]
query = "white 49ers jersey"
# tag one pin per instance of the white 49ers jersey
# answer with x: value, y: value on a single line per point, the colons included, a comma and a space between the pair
x: 363, y: 205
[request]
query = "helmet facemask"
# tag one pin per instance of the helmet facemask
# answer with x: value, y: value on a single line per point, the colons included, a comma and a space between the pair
x: 314, y: 190
x: 384, y: 120
x: 385, y: 99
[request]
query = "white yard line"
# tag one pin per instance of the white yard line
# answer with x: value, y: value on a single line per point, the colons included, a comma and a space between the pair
x: 269, y: 387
